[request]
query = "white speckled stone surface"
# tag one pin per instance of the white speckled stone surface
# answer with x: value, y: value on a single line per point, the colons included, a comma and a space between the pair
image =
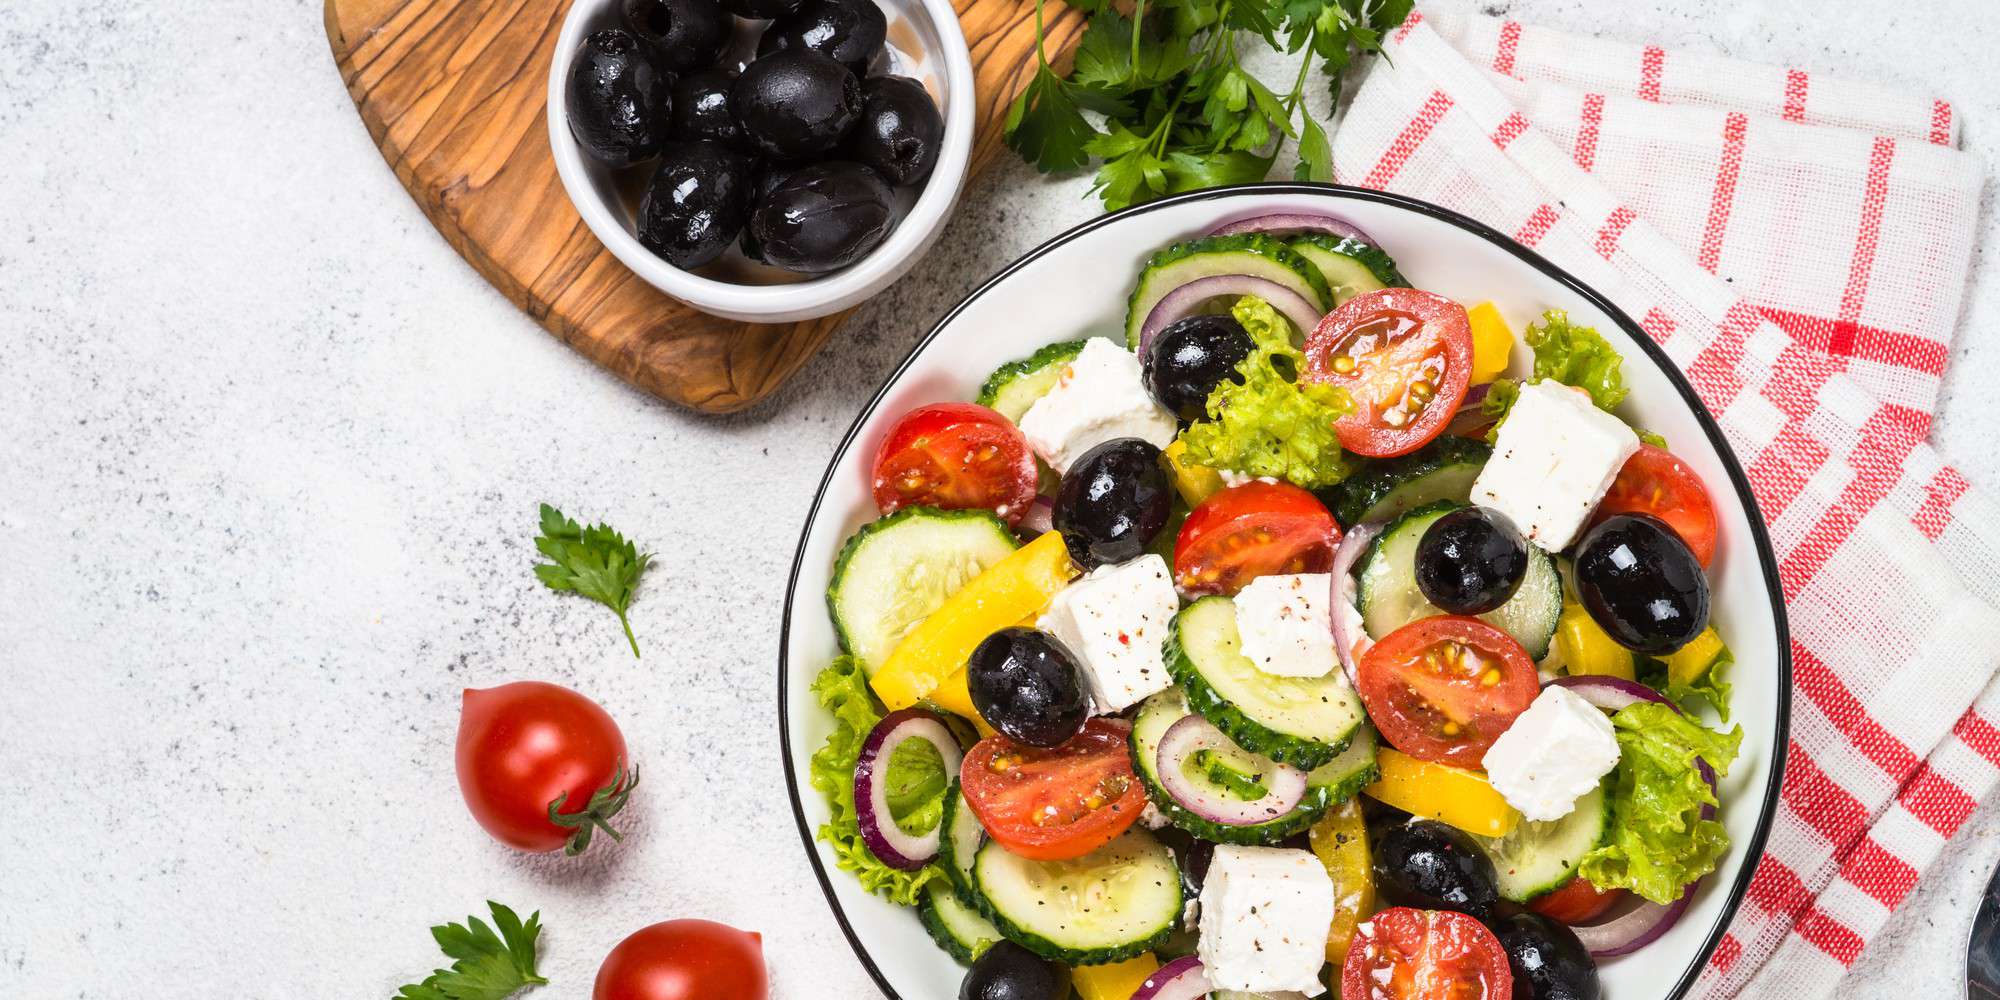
x: 272, y: 455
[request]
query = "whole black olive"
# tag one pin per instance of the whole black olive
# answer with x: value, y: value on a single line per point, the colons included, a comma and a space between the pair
x: 1008, y: 971
x: 617, y: 99
x: 1427, y: 864
x: 1188, y: 359
x: 823, y: 217
x: 1113, y: 501
x: 1638, y: 580
x: 846, y: 31
x: 796, y: 104
x: 694, y: 205
x: 688, y: 34
x: 900, y: 129
x: 1026, y: 685
x: 701, y: 109
x: 1471, y: 561
x: 1549, y: 962
x: 761, y: 10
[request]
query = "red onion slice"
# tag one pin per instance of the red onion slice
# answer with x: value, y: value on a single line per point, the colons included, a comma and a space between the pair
x: 1284, y: 785
x: 879, y: 831
x: 1293, y: 223
x: 1039, y: 519
x: 1635, y: 928
x: 1350, y: 636
x: 1183, y: 301
x: 1181, y: 979
x: 1612, y: 694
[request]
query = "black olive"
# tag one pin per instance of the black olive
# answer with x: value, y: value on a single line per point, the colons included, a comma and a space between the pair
x: 1008, y: 971
x: 1549, y: 962
x: 1188, y: 359
x: 1026, y: 685
x: 1471, y: 561
x: 694, y: 205
x: 900, y: 130
x: 847, y: 31
x: 823, y: 217
x: 701, y: 109
x: 761, y: 10
x: 1638, y: 580
x: 617, y: 99
x: 1427, y: 864
x: 796, y: 104
x: 688, y: 34
x: 1112, y: 503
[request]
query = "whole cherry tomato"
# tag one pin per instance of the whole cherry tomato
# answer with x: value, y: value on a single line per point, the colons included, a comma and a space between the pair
x: 541, y: 766
x: 685, y: 960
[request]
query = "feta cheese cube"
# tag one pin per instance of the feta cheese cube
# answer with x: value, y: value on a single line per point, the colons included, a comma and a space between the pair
x: 1099, y: 396
x: 1286, y: 624
x: 1114, y: 621
x: 1556, y: 455
x: 1553, y: 754
x: 1264, y: 917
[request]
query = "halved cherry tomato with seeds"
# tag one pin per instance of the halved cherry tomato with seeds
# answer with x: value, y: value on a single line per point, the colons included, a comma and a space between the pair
x: 1256, y: 529
x: 1405, y: 358
x: 1655, y: 482
x: 1053, y: 805
x: 955, y: 456
x: 1443, y: 689
x: 1410, y: 954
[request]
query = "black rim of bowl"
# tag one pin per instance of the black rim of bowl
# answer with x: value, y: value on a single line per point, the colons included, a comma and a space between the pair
x: 1753, y: 849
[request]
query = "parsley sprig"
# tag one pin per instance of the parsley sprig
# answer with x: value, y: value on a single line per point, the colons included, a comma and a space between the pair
x: 596, y: 562
x: 486, y: 965
x: 1178, y: 110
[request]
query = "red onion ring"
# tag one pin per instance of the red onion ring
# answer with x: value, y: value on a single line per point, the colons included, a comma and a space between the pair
x: 1183, y: 301
x: 1350, y: 637
x: 1612, y: 694
x: 879, y: 831
x: 1039, y: 519
x: 1181, y: 979
x: 1635, y: 928
x: 1284, y: 785
x: 1291, y: 223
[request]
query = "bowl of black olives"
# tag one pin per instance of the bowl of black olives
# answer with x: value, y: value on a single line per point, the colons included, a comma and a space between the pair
x: 763, y: 160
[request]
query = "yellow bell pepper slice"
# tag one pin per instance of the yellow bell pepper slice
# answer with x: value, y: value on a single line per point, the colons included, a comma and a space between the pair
x: 1195, y: 483
x: 1001, y: 595
x: 1690, y: 663
x: 1340, y: 840
x: 1492, y: 343
x: 1587, y: 649
x: 953, y: 696
x: 1116, y: 981
x: 1454, y: 795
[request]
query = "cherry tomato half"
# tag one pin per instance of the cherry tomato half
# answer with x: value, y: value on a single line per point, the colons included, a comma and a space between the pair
x: 957, y: 456
x: 1443, y: 689
x: 1053, y: 805
x: 1405, y: 358
x: 1577, y: 902
x: 1654, y: 482
x: 684, y: 960
x: 1409, y: 954
x: 529, y: 747
x: 1256, y: 529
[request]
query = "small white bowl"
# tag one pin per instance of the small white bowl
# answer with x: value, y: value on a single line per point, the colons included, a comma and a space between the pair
x: 925, y: 44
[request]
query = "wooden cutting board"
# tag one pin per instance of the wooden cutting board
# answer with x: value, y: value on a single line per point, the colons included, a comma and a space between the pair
x: 453, y: 92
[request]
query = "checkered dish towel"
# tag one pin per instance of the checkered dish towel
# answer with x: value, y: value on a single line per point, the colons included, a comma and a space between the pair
x: 1799, y: 246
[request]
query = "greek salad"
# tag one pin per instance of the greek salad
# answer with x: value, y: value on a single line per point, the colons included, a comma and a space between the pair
x: 1312, y: 633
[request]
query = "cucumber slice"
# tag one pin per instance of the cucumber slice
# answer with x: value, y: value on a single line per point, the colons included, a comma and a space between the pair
x: 1389, y: 597
x: 1247, y: 253
x: 1106, y: 906
x: 1336, y: 781
x: 1014, y: 386
x: 1538, y: 857
x: 1302, y: 721
x: 959, y: 846
x: 1383, y: 491
x: 955, y: 926
x: 894, y: 572
x: 1349, y: 266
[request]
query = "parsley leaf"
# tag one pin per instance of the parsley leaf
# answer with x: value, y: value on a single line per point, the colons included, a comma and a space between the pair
x: 486, y: 965
x: 596, y: 562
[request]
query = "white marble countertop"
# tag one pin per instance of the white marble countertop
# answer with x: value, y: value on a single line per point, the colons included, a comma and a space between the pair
x: 271, y: 458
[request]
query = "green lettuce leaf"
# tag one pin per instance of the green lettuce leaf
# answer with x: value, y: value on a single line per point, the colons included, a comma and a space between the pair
x: 1659, y: 842
x: 1711, y: 687
x: 1271, y: 424
x: 842, y: 689
x: 1577, y: 356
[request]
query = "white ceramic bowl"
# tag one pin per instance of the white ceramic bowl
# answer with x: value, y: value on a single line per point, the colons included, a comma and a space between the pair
x: 1075, y: 285
x: 925, y: 44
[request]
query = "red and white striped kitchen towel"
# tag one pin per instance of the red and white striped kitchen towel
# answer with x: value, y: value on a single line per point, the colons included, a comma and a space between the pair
x: 1799, y: 246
